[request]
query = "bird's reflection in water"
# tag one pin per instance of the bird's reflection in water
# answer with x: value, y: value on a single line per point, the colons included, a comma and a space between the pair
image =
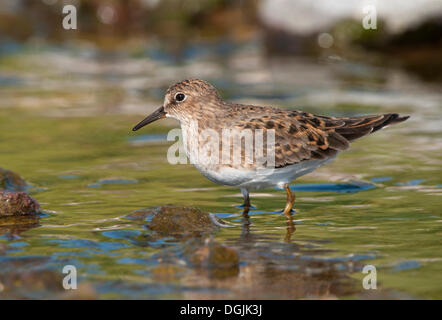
x: 245, y: 232
x: 290, y: 229
x: 12, y: 227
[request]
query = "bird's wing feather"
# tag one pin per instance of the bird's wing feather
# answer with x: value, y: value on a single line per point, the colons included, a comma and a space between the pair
x: 301, y: 136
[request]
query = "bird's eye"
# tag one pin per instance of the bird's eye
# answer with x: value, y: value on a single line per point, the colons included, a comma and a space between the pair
x: 180, y: 97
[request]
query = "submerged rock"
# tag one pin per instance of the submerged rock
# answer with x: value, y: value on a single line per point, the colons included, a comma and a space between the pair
x: 220, y: 260
x: 46, y: 284
x: 167, y: 272
x: 171, y: 220
x: 17, y: 204
x: 15, y: 284
x: 11, y: 181
x: 191, y: 226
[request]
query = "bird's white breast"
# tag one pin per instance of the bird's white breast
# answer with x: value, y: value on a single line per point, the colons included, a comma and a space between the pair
x: 247, y: 178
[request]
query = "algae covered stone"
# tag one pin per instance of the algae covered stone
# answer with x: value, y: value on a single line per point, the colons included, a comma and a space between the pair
x: 221, y: 261
x: 171, y: 220
x: 11, y: 181
x: 17, y: 204
x: 13, y: 200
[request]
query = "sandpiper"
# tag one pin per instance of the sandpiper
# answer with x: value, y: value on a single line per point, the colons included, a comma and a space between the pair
x: 301, y: 143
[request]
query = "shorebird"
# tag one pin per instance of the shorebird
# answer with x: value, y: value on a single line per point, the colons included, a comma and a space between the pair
x: 302, y: 141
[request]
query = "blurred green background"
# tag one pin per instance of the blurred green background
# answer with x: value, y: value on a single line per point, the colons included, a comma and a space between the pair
x: 408, y: 34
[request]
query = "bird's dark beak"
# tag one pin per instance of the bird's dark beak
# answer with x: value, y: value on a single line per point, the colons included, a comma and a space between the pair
x: 156, y: 115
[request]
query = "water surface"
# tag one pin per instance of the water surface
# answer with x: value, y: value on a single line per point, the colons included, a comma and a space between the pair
x: 65, y: 119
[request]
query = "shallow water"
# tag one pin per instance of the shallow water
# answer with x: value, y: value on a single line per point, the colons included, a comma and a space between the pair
x: 65, y: 119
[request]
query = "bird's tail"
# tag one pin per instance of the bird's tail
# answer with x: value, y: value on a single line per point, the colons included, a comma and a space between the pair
x: 356, y: 127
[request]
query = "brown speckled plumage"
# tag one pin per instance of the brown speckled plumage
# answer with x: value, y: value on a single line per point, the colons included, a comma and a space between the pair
x: 303, y: 141
x: 300, y: 136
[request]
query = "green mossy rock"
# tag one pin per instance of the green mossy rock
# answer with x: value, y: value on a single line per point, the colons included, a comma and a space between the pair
x: 17, y: 204
x: 11, y: 181
x: 178, y: 221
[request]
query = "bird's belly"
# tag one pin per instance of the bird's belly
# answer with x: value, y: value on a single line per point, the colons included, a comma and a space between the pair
x: 260, y: 178
x: 226, y: 176
x: 245, y: 177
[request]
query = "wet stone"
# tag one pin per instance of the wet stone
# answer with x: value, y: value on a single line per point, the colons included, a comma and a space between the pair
x: 17, y: 204
x: 220, y: 260
x: 167, y: 272
x: 14, y: 202
x: 10, y: 181
x: 178, y: 221
x: 46, y: 284
x: 16, y: 284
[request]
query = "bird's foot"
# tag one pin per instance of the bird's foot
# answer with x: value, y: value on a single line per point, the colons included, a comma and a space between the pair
x: 292, y: 211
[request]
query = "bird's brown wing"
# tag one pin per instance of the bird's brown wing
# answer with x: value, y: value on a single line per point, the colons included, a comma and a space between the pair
x: 301, y: 136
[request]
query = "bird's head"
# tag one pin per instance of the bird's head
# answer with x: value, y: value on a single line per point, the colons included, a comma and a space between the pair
x: 184, y: 101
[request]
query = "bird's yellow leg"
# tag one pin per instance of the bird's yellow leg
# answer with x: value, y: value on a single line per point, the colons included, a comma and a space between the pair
x: 290, y: 201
